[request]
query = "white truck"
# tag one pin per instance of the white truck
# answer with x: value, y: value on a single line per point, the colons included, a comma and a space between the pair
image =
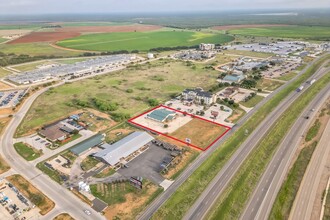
x: 300, y: 88
x: 312, y: 81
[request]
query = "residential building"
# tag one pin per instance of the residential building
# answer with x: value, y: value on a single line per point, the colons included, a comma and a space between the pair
x: 199, y: 96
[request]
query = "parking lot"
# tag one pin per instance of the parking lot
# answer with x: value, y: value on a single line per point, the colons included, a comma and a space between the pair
x: 14, y: 205
x: 148, y: 164
x: 37, y: 142
x: 193, y: 109
x: 281, y: 70
x: 10, y: 99
x: 281, y: 48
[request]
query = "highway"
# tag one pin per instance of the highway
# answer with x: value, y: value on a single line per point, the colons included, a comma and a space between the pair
x: 207, y: 199
x: 261, y: 202
x: 65, y: 200
x: 236, y: 159
x: 303, y: 205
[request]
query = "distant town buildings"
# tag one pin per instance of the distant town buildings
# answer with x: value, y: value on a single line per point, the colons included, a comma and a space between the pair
x: 206, y: 47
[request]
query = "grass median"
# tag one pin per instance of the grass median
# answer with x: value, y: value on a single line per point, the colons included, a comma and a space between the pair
x: 184, y: 197
x: 232, y: 202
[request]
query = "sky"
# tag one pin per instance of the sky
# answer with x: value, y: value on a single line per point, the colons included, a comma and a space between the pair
x: 110, y: 6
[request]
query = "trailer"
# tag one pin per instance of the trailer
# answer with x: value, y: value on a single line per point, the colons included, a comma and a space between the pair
x: 312, y: 81
x: 300, y: 88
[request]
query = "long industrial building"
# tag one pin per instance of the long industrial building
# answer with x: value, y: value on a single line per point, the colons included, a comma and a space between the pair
x: 90, y: 66
x: 119, y: 152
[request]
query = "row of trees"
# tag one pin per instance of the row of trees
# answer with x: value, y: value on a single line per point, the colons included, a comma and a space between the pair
x: 12, y: 59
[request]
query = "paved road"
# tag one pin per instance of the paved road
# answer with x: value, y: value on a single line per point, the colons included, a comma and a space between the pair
x: 156, y: 204
x: 304, y: 201
x: 261, y: 202
x: 220, y: 182
x: 64, y: 199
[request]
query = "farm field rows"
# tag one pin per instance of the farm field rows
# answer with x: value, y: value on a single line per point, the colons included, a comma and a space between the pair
x: 301, y: 32
x: 142, y: 40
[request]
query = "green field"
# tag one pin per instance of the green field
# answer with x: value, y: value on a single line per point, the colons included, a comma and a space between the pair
x: 2, y: 39
x: 158, y: 80
x: 4, y: 72
x: 253, y: 101
x: 142, y: 40
x: 26, y: 152
x: 82, y: 24
x: 36, y: 49
x: 302, y: 32
x: 268, y: 84
x: 183, y: 198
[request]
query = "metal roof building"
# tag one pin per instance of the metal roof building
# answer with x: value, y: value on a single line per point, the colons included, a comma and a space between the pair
x: 112, y: 154
x: 161, y: 115
x: 87, y: 144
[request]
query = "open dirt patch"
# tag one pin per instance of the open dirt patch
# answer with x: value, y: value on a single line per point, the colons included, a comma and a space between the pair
x: 201, y: 133
x: 70, y: 32
x: 231, y: 27
x: 44, y: 37
x: 131, y: 207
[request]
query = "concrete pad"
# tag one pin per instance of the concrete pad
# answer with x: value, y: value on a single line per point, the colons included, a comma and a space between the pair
x: 166, y: 183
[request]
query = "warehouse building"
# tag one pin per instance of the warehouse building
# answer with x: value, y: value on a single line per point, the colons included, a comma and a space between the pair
x: 124, y: 150
x: 161, y: 115
x: 87, y: 144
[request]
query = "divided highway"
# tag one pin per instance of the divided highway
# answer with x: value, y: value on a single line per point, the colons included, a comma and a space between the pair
x: 261, y: 202
x: 303, y: 205
x: 156, y: 204
x: 204, y: 203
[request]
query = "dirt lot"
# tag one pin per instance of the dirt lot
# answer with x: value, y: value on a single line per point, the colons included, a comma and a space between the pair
x: 231, y: 27
x: 201, y: 133
x: 33, y: 194
x: 70, y: 32
x: 131, y: 207
x: 44, y: 37
x: 4, y: 86
x: 13, y: 32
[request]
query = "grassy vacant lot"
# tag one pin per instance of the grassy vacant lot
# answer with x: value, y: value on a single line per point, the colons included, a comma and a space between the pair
x: 142, y: 40
x: 27, y: 152
x: 36, y: 49
x: 4, y: 167
x: 158, y: 80
x: 105, y: 173
x: 31, y: 66
x: 231, y: 203
x: 253, y: 102
x: 125, y: 201
x: 63, y: 216
x: 201, y: 133
x: 178, y: 204
x: 88, y: 163
x: 302, y: 32
x: 33, y: 194
x: 288, y: 76
x: 268, y: 84
x: 4, y: 72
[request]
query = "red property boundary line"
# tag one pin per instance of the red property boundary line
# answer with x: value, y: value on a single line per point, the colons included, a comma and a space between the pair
x: 176, y: 139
